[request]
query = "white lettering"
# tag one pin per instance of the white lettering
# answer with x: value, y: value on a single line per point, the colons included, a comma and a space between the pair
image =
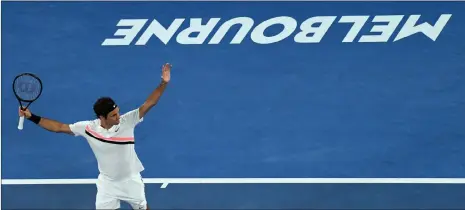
x: 318, y: 32
x: 155, y: 28
x: 312, y: 30
x: 258, y: 34
x: 386, y: 30
x: 196, y: 26
x: 358, y: 23
x: 129, y: 34
x: 431, y: 32
x: 246, y: 25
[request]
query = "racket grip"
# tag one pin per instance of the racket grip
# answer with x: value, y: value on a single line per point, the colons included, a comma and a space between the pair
x: 21, y: 123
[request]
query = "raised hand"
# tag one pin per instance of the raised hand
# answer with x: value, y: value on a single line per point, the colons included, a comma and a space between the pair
x: 165, y: 72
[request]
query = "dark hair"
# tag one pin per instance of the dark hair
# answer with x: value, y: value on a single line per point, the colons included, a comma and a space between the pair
x: 103, y: 106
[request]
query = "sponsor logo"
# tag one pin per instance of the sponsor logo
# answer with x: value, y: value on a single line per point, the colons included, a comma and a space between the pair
x: 311, y: 30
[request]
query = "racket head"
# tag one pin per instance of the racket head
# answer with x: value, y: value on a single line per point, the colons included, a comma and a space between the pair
x: 27, y: 88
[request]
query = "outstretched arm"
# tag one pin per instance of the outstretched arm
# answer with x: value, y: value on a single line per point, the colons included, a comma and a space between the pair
x: 47, y: 124
x: 153, y: 98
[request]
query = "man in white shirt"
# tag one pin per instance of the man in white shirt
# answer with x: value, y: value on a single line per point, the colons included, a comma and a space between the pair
x: 111, y: 138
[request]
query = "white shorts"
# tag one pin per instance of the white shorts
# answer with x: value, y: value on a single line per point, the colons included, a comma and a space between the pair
x: 111, y: 193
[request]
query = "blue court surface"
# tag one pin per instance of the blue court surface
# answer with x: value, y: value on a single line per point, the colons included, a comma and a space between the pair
x: 271, y: 105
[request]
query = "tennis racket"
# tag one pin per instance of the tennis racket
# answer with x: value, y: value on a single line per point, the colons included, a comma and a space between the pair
x: 27, y: 88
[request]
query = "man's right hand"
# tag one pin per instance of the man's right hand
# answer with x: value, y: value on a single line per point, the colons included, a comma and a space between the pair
x: 26, y: 113
x: 47, y: 124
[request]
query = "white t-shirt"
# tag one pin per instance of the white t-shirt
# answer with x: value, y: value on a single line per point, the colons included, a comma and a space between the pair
x: 113, y: 148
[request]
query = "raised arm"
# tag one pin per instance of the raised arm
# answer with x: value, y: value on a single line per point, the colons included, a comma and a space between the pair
x: 47, y: 124
x: 153, y: 98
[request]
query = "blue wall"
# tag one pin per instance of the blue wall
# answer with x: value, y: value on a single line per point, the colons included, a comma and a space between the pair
x: 287, y: 109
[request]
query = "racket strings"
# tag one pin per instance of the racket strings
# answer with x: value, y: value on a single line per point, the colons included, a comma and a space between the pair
x: 27, y: 88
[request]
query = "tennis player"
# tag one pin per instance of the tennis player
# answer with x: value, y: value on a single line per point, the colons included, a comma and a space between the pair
x: 111, y: 137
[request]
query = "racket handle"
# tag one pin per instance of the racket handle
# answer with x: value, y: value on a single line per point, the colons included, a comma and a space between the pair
x: 21, y: 123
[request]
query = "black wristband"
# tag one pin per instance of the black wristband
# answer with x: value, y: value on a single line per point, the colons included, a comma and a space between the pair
x: 34, y: 118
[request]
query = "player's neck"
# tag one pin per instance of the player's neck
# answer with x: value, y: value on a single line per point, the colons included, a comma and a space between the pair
x: 104, y: 125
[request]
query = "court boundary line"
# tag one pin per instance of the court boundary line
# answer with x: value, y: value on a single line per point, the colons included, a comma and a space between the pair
x: 166, y: 181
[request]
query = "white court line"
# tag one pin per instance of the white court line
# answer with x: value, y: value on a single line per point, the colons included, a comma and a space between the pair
x: 166, y: 181
x: 164, y: 185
